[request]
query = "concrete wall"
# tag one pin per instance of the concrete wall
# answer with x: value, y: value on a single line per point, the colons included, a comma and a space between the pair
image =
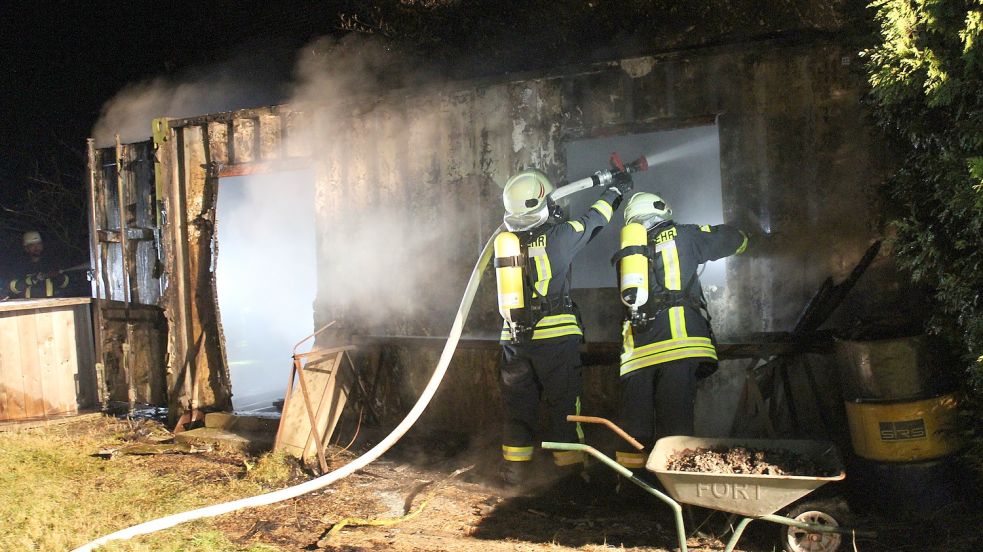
x: 798, y: 161
x: 408, y: 189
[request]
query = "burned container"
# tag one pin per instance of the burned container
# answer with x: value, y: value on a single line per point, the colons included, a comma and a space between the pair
x: 902, y: 421
x: 896, y: 400
x: 888, y: 369
x: 903, y: 431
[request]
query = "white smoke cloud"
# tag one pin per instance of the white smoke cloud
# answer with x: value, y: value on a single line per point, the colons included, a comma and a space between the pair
x: 375, y: 258
x: 246, y: 81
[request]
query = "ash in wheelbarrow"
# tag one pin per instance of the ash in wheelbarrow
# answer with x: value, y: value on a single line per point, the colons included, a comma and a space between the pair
x: 749, y: 495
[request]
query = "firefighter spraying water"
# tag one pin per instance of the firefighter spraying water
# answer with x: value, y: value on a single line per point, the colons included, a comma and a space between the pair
x: 542, y: 329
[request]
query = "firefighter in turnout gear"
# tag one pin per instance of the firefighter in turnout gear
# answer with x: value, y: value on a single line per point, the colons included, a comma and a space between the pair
x: 667, y: 343
x: 542, y: 331
x: 35, y: 275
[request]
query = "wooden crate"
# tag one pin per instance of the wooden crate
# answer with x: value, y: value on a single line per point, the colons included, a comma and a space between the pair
x: 46, y: 358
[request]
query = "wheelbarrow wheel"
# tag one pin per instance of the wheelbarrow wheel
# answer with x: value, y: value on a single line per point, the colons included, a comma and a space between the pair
x: 833, y: 512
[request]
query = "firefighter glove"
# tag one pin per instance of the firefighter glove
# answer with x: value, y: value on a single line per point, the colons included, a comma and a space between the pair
x: 622, y: 182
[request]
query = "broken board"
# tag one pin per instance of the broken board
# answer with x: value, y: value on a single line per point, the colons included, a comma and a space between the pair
x: 328, y: 376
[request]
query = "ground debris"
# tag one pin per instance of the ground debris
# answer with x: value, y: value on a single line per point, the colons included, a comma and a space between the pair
x: 148, y: 448
x: 747, y: 461
x: 324, y: 541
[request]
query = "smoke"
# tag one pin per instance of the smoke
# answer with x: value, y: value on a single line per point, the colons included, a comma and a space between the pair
x: 377, y: 249
x: 244, y: 81
x: 265, y: 275
x: 374, y: 245
x: 352, y: 70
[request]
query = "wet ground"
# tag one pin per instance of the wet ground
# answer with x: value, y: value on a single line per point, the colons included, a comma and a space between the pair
x: 410, y: 501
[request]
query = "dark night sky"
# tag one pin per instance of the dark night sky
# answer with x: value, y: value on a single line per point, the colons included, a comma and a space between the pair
x: 63, y: 60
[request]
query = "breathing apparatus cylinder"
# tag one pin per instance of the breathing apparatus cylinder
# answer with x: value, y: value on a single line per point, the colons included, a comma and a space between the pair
x: 508, y: 273
x: 634, y: 269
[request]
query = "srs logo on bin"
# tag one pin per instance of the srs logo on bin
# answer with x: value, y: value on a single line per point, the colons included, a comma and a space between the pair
x: 736, y: 491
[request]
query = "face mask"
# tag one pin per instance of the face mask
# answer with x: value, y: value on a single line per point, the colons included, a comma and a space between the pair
x: 527, y: 221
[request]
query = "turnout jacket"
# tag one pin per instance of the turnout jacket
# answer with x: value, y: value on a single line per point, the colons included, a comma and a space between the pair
x: 549, y: 250
x: 676, y: 326
x: 34, y: 280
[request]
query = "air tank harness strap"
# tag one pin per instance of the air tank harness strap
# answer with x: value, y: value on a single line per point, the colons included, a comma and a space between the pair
x: 539, y: 308
x: 630, y: 250
x: 504, y: 262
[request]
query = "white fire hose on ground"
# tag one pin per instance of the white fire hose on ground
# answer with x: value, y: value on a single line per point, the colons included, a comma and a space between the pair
x: 375, y: 452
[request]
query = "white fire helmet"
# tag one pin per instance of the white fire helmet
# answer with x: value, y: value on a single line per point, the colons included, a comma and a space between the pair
x: 31, y: 237
x: 647, y: 209
x: 526, y: 197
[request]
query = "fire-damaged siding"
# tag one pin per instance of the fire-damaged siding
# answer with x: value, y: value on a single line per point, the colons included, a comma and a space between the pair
x: 127, y: 273
x: 796, y: 157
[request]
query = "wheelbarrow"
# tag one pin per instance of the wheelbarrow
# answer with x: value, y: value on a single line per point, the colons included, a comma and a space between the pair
x: 752, y: 497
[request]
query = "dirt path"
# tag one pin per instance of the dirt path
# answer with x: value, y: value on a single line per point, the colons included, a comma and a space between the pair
x: 460, y: 515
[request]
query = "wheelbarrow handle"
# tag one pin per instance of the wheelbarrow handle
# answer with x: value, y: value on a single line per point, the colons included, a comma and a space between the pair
x: 677, y: 510
x: 611, y: 425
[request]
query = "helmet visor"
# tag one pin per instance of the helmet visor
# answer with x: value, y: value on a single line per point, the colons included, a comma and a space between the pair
x: 526, y: 221
x: 648, y: 220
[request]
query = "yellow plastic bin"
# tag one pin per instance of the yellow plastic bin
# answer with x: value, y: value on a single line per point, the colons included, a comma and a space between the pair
x: 903, y: 431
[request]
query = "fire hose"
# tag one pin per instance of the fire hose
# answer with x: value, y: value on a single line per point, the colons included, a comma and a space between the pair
x: 600, y: 178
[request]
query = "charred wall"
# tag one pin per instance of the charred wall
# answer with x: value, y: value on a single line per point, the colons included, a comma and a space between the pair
x: 799, y: 165
x: 408, y: 187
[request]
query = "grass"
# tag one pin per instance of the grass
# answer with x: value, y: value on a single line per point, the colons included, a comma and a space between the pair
x: 55, y: 495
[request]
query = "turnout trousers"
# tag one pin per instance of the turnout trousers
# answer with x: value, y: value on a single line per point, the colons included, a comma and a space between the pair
x: 549, y: 370
x: 657, y: 401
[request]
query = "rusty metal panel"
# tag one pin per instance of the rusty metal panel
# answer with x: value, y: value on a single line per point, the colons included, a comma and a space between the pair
x: 298, y: 134
x: 245, y: 140
x: 144, y: 328
x: 205, y: 357
x: 270, y: 137
x: 218, y: 141
x: 140, y: 223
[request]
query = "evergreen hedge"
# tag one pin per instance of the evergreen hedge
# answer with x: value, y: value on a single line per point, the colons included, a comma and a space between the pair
x: 926, y: 77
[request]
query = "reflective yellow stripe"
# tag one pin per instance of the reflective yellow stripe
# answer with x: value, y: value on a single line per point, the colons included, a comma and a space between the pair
x: 662, y: 346
x: 677, y: 322
x: 567, y: 457
x: 557, y: 332
x: 668, y: 356
x: 577, y: 226
x: 517, y: 454
x: 630, y: 460
x: 604, y: 208
x: 543, y: 273
x: 670, y: 263
x: 49, y: 288
x: 554, y: 319
x: 743, y: 244
x: 556, y: 325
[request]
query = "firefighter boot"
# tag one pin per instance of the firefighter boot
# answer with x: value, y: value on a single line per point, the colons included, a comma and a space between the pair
x: 514, y: 474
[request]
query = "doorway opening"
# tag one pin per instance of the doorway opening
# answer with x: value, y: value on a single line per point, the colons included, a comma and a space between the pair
x: 266, y: 280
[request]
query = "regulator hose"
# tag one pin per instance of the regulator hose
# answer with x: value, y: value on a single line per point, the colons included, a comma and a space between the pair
x: 372, y: 454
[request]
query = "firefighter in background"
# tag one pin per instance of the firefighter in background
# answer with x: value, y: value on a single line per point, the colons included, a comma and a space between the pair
x: 542, y: 331
x: 35, y: 276
x: 667, y: 344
